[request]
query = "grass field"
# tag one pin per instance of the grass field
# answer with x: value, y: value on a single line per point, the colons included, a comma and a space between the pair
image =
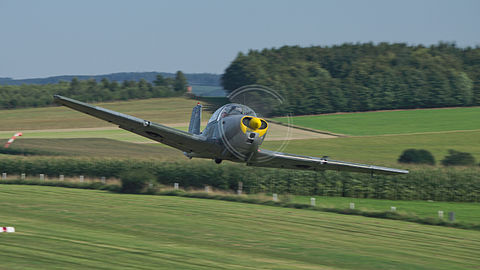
x: 276, y: 132
x: 178, y: 110
x: 385, y: 149
x: 393, y: 122
x: 381, y: 150
x: 80, y: 229
x: 161, y: 110
x: 464, y: 212
x: 63, y: 123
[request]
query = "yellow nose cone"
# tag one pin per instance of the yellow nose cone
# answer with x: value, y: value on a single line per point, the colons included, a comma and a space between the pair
x: 255, y: 123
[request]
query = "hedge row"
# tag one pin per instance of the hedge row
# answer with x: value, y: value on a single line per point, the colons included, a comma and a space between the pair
x: 439, y: 184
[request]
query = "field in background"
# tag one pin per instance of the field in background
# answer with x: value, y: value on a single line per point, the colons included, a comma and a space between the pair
x: 385, y: 149
x: 381, y: 150
x: 63, y: 123
x: 177, y: 111
x: 78, y: 229
x: 276, y: 132
x: 104, y: 230
x: 161, y: 110
x: 393, y: 122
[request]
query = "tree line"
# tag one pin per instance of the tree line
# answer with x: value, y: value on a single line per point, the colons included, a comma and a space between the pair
x: 361, y: 77
x: 192, y: 78
x: 35, y: 95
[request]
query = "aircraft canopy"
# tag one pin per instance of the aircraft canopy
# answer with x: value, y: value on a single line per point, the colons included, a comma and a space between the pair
x: 231, y: 109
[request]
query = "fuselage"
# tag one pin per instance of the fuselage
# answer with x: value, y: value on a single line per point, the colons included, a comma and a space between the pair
x: 237, y: 131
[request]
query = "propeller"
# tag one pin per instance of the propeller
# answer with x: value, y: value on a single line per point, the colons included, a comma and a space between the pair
x: 265, y: 102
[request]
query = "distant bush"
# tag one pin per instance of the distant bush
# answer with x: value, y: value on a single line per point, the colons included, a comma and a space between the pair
x: 417, y: 156
x: 457, y: 158
x: 136, y: 181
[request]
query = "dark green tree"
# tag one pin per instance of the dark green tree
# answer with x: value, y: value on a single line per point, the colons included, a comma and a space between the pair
x: 457, y: 158
x: 74, y: 86
x: 241, y: 72
x: 180, y: 84
x: 362, y: 76
x: 104, y: 83
x: 417, y: 156
x: 160, y: 81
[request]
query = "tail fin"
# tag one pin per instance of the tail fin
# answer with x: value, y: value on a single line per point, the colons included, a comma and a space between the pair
x: 195, y: 120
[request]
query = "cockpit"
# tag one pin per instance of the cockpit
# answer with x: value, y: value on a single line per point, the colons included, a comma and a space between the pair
x: 231, y: 109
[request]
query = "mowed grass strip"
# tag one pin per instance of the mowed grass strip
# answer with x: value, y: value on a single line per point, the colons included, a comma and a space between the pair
x: 160, y: 110
x: 464, y: 212
x: 393, y: 122
x: 78, y: 229
x: 384, y: 150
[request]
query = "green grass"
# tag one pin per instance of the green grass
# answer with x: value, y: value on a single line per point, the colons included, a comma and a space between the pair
x: 100, y: 148
x: 160, y: 110
x: 384, y: 150
x: 464, y: 212
x: 55, y: 123
x: 381, y: 150
x: 80, y: 229
x: 393, y: 122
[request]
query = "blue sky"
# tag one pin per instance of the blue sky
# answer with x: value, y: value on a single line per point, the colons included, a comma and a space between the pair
x: 60, y: 37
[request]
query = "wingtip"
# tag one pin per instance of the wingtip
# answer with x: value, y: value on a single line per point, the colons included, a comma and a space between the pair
x: 399, y: 171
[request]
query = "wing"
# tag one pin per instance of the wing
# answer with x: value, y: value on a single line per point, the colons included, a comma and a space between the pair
x: 173, y: 137
x: 266, y: 158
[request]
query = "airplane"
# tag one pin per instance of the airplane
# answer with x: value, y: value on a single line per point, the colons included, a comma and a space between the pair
x: 234, y: 133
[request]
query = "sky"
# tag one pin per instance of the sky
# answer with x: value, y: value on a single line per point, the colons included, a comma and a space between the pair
x: 90, y: 37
